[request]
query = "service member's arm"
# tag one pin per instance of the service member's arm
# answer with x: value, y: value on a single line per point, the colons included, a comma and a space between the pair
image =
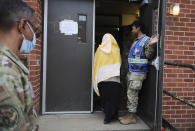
x: 12, y: 107
x: 150, y: 47
x: 149, y: 50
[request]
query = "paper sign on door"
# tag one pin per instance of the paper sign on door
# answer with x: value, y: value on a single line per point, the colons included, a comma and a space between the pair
x: 68, y: 27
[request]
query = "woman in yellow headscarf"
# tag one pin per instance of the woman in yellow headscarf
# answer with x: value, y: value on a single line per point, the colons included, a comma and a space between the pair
x: 106, y: 76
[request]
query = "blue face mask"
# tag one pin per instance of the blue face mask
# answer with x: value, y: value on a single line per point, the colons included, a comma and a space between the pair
x: 27, y: 46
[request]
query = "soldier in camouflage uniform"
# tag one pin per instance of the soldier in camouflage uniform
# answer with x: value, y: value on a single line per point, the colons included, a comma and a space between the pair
x: 141, y: 50
x: 16, y: 105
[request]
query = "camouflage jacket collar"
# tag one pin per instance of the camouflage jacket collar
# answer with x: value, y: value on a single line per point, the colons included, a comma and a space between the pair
x: 13, y: 57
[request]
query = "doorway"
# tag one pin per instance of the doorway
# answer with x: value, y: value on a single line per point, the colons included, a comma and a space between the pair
x: 115, y: 17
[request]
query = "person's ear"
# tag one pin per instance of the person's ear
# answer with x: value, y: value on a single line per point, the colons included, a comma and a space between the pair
x: 138, y: 28
x: 21, y: 25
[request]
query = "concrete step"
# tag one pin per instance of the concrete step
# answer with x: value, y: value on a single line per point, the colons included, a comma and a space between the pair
x: 85, y: 122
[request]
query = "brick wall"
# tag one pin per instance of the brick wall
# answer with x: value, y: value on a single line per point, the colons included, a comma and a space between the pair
x: 180, y: 47
x: 34, y: 58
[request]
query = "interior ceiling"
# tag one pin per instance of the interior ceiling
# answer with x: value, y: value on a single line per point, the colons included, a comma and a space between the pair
x: 116, y: 7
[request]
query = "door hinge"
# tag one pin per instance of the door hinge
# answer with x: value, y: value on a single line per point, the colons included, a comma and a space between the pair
x: 155, y: 63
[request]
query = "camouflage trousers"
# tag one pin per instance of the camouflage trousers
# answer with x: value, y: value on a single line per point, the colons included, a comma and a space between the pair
x: 133, y: 88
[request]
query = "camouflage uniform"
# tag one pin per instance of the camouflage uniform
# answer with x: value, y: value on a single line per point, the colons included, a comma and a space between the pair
x: 16, y: 107
x: 135, y: 80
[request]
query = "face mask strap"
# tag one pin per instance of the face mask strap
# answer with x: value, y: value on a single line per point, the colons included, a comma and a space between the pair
x: 23, y: 36
x: 30, y: 27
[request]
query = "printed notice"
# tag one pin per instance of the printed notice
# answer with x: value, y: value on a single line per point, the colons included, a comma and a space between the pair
x: 68, y: 27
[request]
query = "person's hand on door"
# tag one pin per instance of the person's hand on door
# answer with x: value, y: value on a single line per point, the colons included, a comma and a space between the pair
x: 154, y: 39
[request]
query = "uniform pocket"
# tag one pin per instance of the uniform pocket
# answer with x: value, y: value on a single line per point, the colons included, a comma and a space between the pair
x: 3, y: 94
x: 136, y: 85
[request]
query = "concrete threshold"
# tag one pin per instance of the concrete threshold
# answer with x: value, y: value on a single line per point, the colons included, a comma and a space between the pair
x: 85, y: 122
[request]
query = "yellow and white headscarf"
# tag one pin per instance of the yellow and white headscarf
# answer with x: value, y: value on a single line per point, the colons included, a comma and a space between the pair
x: 107, y: 61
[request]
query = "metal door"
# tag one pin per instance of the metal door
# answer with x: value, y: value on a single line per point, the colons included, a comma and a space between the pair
x: 150, y: 103
x: 67, y: 61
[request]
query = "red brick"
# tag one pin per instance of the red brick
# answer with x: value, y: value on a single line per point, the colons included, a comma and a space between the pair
x: 177, y: 125
x: 192, y: 48
x: 186, y: 2
x: 185, y: 10
x: 171, y: 75
x: 184, y: 29
x: 182, y: 57
x: 192, y: 20
x: 189, y: 34
x: 180, y: 120
x: 168, y: 52
x: 181, y: 84
x: 180, y: 111
x: 177, y: 52
x: 171, y: 57
x: 184, y: 38
x: 169, y: 42
x: 181, y: 129
x: 178, y: 42
x: 190, y: 120
x: 190, y: 16
x: 191, y: 85
x: 189, y: 43
x: 166, y: 116
x: 187, y: 71
x: 186, y: 116
x: 185, y: 19
x: 32, y: 4
x: 171, y: 120
x: 188, y: 80
x: 169, y: 33
x: 172, y: 37
x: 172, y: 47
x: 192, y: 39
x: 192, y: 29
x: 173, y: 28
x: 179, y: 94
x: 187, y: 89
x: 190, y: 6
x: 179, y: 24
x: 176, y: 116
x: 176, y: 107
x: 191, y: 75
x: 179, y: 33
x: 183, y: 75
x: 188, y: 53
x: 193, y: 10
x: 177, y: 89
x: 190, y: 129
x: 186, y: 125
x: 166, y: 107
x: 170, y: 103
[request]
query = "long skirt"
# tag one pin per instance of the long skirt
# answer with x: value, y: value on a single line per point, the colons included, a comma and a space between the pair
x: 110, y: 98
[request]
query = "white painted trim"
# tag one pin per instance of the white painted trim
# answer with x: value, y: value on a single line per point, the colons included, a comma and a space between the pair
x: 67, y: 112
x: 93, y: 51
x: 44, y: 56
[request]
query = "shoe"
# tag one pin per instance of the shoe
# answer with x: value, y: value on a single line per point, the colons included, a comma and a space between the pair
x: 115, y: 118
x: 106, y: 122
x: 124, y: 117
x: 130, y: 118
